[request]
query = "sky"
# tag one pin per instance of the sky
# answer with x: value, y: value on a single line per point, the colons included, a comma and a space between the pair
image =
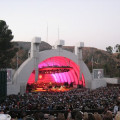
x: 94, y: 22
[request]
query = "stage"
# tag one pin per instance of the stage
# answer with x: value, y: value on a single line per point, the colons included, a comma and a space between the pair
x: 61, y: 89
x: 50, y: 87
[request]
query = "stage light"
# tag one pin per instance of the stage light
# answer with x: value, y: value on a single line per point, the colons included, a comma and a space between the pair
x: 40, y: 76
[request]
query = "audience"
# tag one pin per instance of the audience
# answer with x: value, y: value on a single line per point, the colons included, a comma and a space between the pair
x: 104, y: 99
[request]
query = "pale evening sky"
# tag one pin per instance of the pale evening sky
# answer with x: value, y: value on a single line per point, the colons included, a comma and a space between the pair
x: 94, y: 22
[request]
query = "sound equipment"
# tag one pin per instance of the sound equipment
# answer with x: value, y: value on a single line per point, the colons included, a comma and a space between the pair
x: 3, y: 84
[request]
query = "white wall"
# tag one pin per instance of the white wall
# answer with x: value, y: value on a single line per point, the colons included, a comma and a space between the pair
x: 96, y: 83
x: 13, y: 89
x: 112, y: 80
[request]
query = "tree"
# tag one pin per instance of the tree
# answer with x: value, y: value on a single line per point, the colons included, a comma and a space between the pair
x: 109, y: 49
x: 117, y: 48
x: 7, y: 50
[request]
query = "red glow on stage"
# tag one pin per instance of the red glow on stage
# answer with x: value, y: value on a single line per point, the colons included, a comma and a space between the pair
x: 83, y: 80
x: 66, y: 70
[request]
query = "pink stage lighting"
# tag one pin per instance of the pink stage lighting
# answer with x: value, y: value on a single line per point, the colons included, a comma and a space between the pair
x: 69, y: 75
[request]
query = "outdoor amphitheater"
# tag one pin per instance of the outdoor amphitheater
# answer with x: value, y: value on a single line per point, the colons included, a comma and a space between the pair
x: 56, y: 84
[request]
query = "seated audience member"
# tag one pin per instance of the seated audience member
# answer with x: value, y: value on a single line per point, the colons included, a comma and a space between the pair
x: 108, y: 116
x: 91, y: 116
x: 85, y: 116
x: 51, y: 117
x: 116, y: 107
x: 79, y: 116
x: 69, y: 115
x: 39, y: 116
x: 60, y: 116
x: 5, y: 117
x: 97, y: 116
x: 117, y: 116
x: 28, y: 118
x: 46, y: 116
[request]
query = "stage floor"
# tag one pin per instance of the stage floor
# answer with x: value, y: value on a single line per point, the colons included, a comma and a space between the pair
x: 61, y: 89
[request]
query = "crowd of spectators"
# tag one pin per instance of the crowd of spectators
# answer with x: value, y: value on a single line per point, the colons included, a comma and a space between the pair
x: 77, y: 104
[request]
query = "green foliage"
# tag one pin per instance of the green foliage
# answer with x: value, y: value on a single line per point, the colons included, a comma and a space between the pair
x: 117, y: 48
x: 7, y: 51
x: 109, y: 49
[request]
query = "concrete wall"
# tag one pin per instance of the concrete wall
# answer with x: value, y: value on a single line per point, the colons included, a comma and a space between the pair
x: 12, y: 89
x: 112, y: 80
x: 96, y: 83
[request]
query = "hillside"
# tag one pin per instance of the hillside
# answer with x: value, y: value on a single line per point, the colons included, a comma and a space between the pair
x: 101, y: 58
